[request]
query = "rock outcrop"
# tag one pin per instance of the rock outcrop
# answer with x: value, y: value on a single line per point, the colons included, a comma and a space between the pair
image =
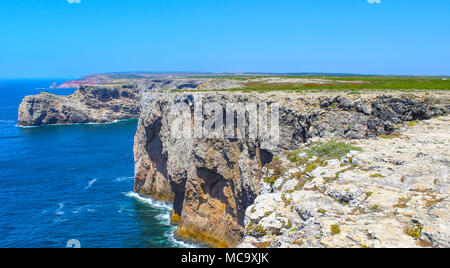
x: 393, y: 191
x: 212, y: 181
x: 100, y: 103
x: 89, y: 104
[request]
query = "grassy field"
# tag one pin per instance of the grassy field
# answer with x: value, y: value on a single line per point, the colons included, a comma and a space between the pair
x: 335, y: 82
x: 353, y: 83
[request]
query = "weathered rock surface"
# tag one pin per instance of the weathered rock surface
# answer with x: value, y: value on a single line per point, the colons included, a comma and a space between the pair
x: 394, y: 193
x: 89, y: 104
x: 213, y: 181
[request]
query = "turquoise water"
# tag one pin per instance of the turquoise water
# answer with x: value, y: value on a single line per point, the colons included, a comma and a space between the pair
x: 72, y: 182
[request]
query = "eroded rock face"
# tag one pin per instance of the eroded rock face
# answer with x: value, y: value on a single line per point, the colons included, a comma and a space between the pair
x: 99, y: 103
x: 89, y: 104
x: 209, y: 181
x: 212, y: 181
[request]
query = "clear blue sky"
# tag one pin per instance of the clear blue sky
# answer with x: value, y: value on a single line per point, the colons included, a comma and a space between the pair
x: 52, y: 38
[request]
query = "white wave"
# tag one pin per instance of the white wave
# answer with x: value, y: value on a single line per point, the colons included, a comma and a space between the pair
x: 120, y: 179
x: 76, y: 211
x: 149, y: 201
x: 26, y: 126
x: 175, y: 241
x: 59, y: 210
x: 109, y: 123
x: 90, y: 184
x: 164, y: 218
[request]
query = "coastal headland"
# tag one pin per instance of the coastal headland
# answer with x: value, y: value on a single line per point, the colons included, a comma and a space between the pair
x: 359, y: 161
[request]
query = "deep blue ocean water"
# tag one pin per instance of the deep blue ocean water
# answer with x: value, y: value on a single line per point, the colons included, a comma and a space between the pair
x: 59, y: 183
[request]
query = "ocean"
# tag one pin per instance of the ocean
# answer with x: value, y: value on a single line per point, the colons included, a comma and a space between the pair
x: 75, y: 182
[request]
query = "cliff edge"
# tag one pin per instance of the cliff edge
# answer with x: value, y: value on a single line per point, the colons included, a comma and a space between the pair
x: 212, y: 181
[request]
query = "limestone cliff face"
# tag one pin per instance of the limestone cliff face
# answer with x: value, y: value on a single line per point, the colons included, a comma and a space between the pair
x: 212, y: 181
x: 99, y: 103
x: 89, y: 104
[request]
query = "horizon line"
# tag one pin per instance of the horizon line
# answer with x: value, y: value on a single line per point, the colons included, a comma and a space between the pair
x: 223, y: 73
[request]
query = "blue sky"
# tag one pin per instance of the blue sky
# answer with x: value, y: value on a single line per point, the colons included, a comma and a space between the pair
x: 52, y: 38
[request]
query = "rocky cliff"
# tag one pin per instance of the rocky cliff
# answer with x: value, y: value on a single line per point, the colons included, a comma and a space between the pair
x: 99, y: 103
x: 391, y: 191
x: 89, y: 104
x: 106, y: 98
x: 212, y: 181
x: 235, y: 191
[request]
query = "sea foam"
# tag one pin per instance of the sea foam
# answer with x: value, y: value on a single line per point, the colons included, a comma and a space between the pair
x: 90, y: 183
x: 171, y: 237
x: 149, y: 201
x: 120, y: 179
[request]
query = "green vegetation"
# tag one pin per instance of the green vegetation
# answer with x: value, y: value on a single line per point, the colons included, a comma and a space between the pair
x: 335, y: 229
x: 259, y: 230
x: 288, y: 225
x: 374, y: 208
x: 350, y: 83
x: 267, y: 214
x: 321, y: 211
x: 332, y: 149
x: 293, y: 158
x: 310, y: 167
x: 336, y: 176
x: 376, y: 175
x: 270, y: 180
x: 255, y: 229
x: 233, y: 77
x: 413, y: 123
x: 415, y: 231
x: 302, y: 180
x: 286, y: 201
